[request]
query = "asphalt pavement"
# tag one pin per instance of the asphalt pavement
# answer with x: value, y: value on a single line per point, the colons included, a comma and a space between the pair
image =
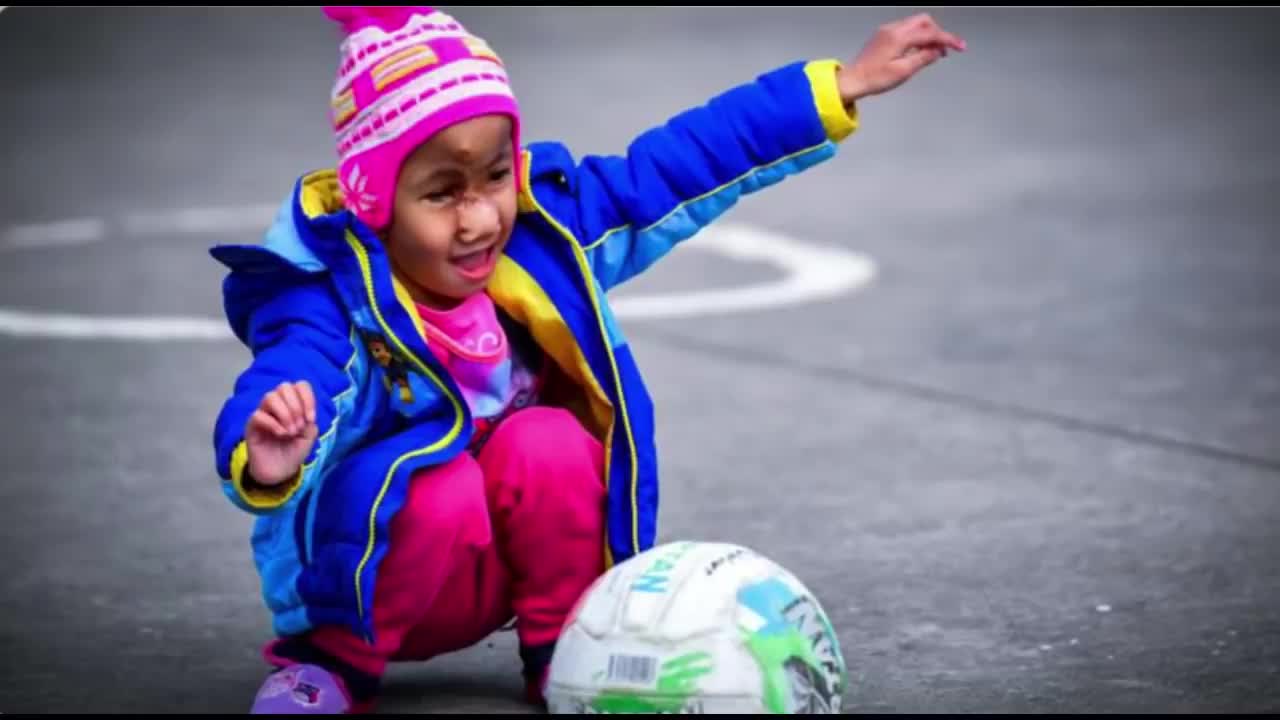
x: 1032, y: 466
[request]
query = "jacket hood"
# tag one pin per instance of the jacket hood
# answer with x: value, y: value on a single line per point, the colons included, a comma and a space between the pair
x: 310, y: 217
x: 310, y: 220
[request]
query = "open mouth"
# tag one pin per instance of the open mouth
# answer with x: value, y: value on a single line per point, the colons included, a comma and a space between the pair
x: 478, y: 264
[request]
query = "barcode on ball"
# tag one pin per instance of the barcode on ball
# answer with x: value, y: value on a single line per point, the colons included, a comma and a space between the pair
x: 633, y: 668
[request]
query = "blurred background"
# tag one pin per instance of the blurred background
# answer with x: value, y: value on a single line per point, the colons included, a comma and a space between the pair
x: 1030, y: 463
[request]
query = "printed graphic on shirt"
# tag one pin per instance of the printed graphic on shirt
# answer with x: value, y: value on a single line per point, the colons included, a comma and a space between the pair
x: 491, y: 388
x: 525, y: 396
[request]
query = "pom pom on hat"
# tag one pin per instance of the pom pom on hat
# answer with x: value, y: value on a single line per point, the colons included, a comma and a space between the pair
x: 353, y: 18
x: 405, y: 74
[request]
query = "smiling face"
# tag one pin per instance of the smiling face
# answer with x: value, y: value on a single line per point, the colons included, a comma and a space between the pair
x: 455, y: 204
x: 381, y: 354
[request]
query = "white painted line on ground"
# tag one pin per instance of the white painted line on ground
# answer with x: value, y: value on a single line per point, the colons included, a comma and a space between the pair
x: 250, y: 218
x: 188, y: 221
x: 809, y: 273
x: 105, y: 327
x: 79, y: 231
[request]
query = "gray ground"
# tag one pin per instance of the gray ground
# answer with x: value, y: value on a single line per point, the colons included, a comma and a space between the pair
x: 1061, y: 396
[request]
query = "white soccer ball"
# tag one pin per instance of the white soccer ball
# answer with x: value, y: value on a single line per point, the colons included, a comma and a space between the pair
x: 697, y: 627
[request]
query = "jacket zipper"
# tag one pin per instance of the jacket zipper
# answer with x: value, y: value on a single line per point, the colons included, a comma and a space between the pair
x: 585, y: 272
x: 363, y: 258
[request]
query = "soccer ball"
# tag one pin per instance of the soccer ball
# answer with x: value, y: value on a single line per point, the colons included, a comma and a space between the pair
x: 697, y: 627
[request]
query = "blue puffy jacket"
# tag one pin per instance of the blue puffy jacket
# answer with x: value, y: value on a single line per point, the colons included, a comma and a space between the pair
x: 310, y: 298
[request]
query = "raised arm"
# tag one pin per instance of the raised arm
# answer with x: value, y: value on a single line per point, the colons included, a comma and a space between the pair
x: 677, y: 178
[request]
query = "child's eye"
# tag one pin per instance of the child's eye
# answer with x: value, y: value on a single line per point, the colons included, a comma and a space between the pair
x: 438, y: 197
x: 500, y: 174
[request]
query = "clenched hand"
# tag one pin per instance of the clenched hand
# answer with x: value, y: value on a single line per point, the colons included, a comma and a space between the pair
x: 280, y: 433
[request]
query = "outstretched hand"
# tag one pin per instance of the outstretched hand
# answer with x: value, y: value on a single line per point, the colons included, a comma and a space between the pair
x: 894, y: 54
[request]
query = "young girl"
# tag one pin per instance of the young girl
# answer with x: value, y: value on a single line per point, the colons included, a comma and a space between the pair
x: 442, y: 428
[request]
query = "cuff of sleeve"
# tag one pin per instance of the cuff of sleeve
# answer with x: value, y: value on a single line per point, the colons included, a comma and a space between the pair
x: 839, y: 121
x: 254, y: 495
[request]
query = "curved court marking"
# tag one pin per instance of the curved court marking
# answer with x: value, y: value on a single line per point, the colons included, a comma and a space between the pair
x: 809, y: 273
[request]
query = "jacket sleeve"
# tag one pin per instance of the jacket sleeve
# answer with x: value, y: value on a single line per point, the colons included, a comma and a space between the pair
x: 297, y: 334
x: 677, y: 178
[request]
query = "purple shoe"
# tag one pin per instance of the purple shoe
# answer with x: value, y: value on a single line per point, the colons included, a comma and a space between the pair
x: 302, y: 689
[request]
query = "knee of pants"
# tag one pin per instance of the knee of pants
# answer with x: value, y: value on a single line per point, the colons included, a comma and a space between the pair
x: 445, y: 503
x: 546, y: 449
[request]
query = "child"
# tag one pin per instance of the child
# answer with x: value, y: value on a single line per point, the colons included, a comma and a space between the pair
x: 442, y: 428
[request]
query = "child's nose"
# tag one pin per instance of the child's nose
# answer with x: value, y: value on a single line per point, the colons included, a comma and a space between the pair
x: 477, y: 217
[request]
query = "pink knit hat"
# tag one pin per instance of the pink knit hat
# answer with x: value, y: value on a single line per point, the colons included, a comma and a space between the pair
x: 406, y: 73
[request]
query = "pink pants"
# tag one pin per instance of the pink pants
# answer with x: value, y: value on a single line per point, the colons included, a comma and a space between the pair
x: 516, y: 532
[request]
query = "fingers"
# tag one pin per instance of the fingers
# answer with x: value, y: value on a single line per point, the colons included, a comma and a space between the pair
x: 291, y: 406
x: 915, y: 21
x: 950, y: 40
x: 308, y: 400
x: 262, y: 421
x: 925, y: 36
x: 293, y: 398
x: 277, y: 404
x: 922, y: 58
x: 922, y: 30
x: 311, y: 433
